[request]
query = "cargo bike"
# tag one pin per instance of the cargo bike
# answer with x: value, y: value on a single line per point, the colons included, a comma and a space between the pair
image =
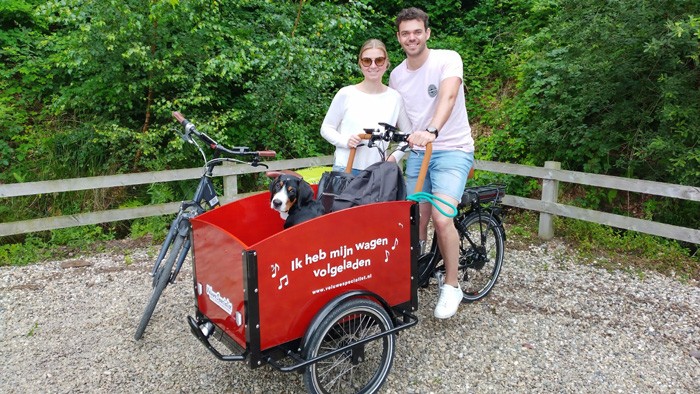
x: 325, y: 298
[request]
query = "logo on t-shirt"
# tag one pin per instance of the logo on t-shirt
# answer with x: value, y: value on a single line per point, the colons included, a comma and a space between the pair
x: 432, y: 90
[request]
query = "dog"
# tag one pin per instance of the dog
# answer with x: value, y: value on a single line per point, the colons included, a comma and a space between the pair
x: 293, y: 198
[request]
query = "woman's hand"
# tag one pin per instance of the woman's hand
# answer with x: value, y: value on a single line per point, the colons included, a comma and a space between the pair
x: 354, y: 141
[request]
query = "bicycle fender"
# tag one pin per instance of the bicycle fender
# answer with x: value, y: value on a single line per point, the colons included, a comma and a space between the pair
x: 496, y: 214
x: 334, y: 303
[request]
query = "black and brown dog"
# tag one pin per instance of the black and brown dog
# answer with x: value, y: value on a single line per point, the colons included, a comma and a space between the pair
x: 293, y: 198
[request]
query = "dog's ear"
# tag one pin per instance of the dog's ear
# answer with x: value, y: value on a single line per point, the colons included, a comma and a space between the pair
x: 272, y: 186
x: 306, y: 193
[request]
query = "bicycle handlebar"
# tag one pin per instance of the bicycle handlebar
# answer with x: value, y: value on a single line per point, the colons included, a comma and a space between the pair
x: 390, y: 134
x: 236, y: 150
x: 190, y: 129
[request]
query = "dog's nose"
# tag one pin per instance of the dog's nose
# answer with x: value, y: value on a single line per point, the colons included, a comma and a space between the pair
x: 276, y: 203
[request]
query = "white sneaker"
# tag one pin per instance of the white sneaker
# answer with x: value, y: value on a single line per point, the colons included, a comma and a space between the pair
x: 448, y: 303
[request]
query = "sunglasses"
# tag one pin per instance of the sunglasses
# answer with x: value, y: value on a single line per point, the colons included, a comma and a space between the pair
x: 367, y: 62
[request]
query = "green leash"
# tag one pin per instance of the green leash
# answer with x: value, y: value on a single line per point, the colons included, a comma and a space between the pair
x: 423, y: 196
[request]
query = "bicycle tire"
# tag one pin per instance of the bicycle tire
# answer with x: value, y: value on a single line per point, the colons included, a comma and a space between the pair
x: 479, y: 268
x: 429, y: 262
x: 161, y: 279
x: 351, y: 371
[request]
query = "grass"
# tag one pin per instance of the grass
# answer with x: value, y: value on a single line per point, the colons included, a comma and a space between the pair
x: 602, y: 246
x: 313, y: 174
x: 33, y: 330
x: 610, y: 248
x: 34, y: 249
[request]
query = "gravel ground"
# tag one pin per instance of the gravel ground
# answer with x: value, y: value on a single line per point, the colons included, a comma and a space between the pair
x: 550, y: 325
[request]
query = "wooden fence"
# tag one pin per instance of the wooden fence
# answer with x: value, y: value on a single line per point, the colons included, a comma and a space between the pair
x: 547, y: 205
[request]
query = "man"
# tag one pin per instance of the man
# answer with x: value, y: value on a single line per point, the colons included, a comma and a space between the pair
x: 430, y: 82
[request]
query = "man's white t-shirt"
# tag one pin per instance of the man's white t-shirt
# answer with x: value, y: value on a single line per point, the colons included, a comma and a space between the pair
x: 419, y: 88
x: 352, y: 111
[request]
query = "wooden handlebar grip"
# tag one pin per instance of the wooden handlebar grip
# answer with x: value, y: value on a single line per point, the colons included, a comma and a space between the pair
x: 275, y: 173
x: 351, y: 158
x: 424, y: 167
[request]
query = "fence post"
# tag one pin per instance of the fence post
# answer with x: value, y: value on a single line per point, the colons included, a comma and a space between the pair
x: 230, y: 187
x: 550, y: 193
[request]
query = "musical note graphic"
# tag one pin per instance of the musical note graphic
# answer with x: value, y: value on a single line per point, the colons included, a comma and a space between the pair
x: 387, y: 256
x: 396, y: 242
x: 275, y: 268
x: 284, y: 279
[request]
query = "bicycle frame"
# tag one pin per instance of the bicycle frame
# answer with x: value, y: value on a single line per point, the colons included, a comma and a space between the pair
x: 188, y: 209
x: 475, y: 206
x: 483, y: 202
x: 179, y: 240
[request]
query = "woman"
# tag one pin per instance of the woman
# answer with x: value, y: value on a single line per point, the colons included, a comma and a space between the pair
x: 363, y: 106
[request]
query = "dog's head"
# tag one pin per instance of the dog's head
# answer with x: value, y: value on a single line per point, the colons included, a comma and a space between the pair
x: 288, y: 190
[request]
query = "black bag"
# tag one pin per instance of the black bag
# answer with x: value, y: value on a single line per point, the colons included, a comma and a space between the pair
x: 333, y: 182
x: 382, y: 181
x: 330, y: 186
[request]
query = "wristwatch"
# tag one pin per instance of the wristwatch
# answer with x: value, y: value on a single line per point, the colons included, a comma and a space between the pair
x: 432, y: 130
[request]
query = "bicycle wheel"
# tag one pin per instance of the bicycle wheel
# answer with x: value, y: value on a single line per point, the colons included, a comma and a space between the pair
x: 480, y: 254
x: 361, y: 369
x: 160, y: 280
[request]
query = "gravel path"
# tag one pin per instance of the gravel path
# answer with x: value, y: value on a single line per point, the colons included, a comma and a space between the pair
x: 550, y: 325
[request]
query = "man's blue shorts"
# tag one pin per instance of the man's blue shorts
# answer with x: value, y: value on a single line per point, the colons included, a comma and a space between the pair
x: 447, y: 172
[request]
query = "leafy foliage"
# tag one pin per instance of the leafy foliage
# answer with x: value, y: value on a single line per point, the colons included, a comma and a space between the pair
x: 612, y: 87
x: 87, y: 87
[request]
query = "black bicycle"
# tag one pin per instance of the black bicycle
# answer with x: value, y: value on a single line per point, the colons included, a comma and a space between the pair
x: 481, y: 243
x: 479, y: 225
x: 178, y: 242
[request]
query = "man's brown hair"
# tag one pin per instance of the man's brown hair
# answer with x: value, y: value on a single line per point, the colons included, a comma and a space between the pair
x: 409, y: 14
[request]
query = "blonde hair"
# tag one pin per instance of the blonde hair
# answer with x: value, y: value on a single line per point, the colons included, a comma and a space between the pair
x: 373, y: 43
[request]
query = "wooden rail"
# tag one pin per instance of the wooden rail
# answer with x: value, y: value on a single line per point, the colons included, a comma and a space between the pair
x: 547, y: 206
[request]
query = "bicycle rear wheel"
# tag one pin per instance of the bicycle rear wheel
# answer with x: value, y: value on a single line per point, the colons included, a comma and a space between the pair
x: 480, y: 254
x: 161, y: 279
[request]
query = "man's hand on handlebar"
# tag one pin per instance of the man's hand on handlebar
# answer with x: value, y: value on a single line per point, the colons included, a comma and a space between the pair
x: 420, y: 138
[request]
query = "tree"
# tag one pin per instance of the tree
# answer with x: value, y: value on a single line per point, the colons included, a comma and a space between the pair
x: 613, y: 87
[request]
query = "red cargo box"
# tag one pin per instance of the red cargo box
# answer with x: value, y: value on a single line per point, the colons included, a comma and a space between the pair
x: 262, y: 284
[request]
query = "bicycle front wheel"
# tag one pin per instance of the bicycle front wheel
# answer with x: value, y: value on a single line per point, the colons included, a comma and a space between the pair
x: 360, y: 368
x: 160, y: 280
x: 480, y: 254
